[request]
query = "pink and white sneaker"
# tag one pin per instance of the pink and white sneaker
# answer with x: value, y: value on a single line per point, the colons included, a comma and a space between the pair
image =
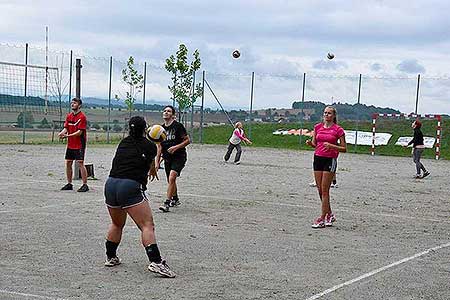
x: 329, y: 219
x: 319, y: 223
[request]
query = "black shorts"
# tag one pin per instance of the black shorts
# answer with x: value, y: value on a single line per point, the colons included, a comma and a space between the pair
x: 326, y: 164
x: 123, y: 193
x: 176, y: 164
x: 75, y: 154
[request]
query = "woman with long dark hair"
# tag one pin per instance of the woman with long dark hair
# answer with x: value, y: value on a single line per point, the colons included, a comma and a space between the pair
x: 133, y: 163
x: 325, y: 140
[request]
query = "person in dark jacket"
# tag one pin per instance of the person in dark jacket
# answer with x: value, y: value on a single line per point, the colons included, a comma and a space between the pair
x: 418, y: 148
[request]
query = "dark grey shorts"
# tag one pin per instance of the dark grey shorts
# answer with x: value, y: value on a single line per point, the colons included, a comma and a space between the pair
x: 326, y: 164
x: 123, y: 193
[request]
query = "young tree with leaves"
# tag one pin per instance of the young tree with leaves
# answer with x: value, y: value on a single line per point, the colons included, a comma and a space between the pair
x: 135, y: 83
x: 182, y: 77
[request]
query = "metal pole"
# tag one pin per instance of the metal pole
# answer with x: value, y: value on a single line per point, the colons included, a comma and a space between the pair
x: 357, y: 109
x: 301, y: 109
x: 78, y: 67
x: 417, y: 93
x: 25, y: 94
x: 143, y: 94
x: 192, y: 106
x: 251, y: 107
x: 46, y: 71
x: 70, y: 77
x: 201, y: 109
x: 109, y: 99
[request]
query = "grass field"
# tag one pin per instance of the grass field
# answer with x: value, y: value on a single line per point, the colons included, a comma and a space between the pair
x: 261, y: 136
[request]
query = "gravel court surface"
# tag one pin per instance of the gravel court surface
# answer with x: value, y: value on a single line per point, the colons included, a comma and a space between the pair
x: 242, y: 232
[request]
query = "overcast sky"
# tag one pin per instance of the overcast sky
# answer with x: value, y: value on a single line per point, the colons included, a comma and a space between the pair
x: 389, y: 42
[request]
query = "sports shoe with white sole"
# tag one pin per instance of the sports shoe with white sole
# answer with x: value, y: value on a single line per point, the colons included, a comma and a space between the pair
x: 162, y: 269
x: 329, y: 219
x: 166, y: 206
x: 319, y: 223
x: 313, y: 184
x: 113, y: 261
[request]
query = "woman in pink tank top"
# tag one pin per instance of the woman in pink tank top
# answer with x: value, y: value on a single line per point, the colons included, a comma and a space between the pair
x: 325, y: 140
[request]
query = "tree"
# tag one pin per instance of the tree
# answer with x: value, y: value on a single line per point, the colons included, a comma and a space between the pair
x: 135, y: 83
x: 182, y: 77
x: 29, y: 119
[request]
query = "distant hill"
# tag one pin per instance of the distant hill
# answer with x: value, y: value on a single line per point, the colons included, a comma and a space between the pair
x: 345, y: 111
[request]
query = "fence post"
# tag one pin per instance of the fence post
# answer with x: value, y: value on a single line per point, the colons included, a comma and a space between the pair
x: 301, y: 108
x: 70, y: 77
x: 109, y: 99
x: 251, y: 108
x: 25, y: 94
x: 143, y: 93
x: 78, y: 78
x: 357, y: 114
x: 417, y: 93
x: 201, y: 109
x: 192, y: 106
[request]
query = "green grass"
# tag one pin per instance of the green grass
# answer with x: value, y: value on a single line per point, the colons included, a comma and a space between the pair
x: 261, y: 136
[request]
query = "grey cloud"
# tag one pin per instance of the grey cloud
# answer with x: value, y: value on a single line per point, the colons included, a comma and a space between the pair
x: 411, y: 66
x: 376, y: 67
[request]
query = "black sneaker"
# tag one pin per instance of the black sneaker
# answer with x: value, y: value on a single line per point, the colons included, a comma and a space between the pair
x: 425, y: 174
x: 175, y: 202
x: 67, y: 187
x: 83, y: 188
x: 166, y: 206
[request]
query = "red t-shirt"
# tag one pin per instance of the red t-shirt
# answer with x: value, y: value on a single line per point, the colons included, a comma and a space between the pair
x: 330, y: 135
x: 73, y: 123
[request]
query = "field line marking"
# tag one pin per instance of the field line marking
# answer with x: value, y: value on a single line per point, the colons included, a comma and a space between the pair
x: 239, y: 200
x: 29, y: 295
x: 376, y: 271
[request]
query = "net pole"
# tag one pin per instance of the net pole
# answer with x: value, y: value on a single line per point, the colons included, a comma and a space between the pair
x: 46, y: 71
x: 25, y: 94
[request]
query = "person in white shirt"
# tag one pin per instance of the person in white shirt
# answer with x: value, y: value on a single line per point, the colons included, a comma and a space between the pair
x: 237, y: 136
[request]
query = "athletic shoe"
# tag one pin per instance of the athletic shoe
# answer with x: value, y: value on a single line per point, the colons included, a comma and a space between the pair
x: 162, y: 269
x: 113, y: 261
x: 237, y: 162
x: 166, y: 206
x: 425, y: 174
x: 417, y: 176
x: 175, y: 202
x: 83, y: 188
x: 319, y: 223
x: 329, y: 219
x: 67, y: 187
x: 334, y: 185
x: 313, y: 184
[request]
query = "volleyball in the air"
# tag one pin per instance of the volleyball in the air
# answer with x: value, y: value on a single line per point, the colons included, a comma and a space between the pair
x: 236, y: 53
x: 330, y: 55
x: 156, y: 133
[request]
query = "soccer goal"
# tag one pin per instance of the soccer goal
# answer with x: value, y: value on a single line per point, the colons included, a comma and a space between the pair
x: 375, y: 116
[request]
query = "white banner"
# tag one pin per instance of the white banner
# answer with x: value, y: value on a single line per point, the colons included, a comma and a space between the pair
x: 365, y: 138
x: 427, y: 141
x: 304, y: 132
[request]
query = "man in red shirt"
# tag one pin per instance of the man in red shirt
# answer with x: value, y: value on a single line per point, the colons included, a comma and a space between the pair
x: 75, y: 132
